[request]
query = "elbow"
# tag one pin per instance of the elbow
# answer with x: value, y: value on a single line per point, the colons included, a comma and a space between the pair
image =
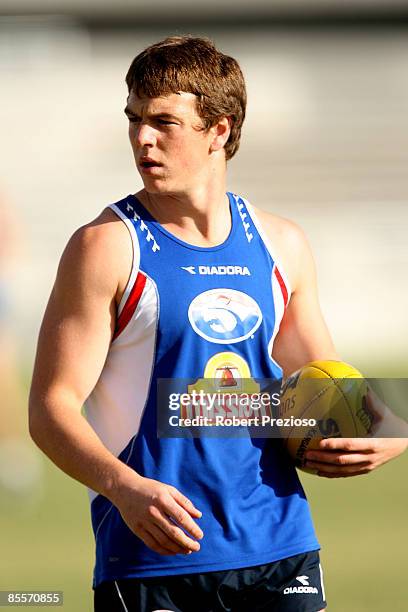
x: 33, y: 426
x: 35, y: 420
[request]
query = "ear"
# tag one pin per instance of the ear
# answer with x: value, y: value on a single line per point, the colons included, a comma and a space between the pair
x: 220, y: 133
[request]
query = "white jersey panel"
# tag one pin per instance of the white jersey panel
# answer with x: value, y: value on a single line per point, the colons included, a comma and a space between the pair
x: 268, y: 245
x: 115, y: 407
x: 136, y: 256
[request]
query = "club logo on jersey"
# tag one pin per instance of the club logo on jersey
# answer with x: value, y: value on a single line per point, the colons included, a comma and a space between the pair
x: 220, y: 270
x: 224, y: 316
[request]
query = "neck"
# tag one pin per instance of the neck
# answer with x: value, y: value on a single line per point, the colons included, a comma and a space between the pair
x: 202, y: 218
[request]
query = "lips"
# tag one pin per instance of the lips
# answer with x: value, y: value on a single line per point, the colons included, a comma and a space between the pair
x: 148, y: 162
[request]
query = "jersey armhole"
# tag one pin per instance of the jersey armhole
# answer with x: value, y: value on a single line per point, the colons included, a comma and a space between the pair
x: 279, y: 270
x: 135, y: 257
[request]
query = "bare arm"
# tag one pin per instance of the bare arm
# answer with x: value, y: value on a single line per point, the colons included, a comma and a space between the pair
x: 72, y: 347
x: 73, y: 344
x: 303, y: 334
x: 304, y: 337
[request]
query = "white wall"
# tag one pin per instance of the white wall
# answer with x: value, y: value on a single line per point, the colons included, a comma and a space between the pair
x: 325, y: 143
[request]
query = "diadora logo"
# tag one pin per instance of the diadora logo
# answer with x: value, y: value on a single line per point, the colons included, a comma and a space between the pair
x: 304, y: 589
x: 147, y: 233
x: 220, y: 270
x: 244, y: 215
x: 224, y: 316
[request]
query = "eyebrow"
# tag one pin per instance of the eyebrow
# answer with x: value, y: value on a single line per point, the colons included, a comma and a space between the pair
x: 128, y: 111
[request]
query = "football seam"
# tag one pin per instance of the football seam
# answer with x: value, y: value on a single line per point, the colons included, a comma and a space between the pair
x: 316, y: 397
x: 342, y: 392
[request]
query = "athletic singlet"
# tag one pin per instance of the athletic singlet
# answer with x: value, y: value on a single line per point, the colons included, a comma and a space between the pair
x: 188, y: 312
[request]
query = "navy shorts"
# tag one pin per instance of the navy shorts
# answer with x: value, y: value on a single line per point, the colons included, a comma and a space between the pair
x: 294, y: 584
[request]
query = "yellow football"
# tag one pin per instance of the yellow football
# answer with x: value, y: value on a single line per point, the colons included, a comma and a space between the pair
x: 329, y: 398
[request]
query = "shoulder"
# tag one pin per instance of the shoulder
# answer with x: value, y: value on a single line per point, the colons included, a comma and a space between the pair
x: 280, y: 228
x: 288, y: 240
x: 100, y: 254
x: 101, y: 232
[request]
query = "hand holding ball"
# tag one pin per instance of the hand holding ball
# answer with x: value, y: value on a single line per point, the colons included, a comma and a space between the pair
x: 331, y: 393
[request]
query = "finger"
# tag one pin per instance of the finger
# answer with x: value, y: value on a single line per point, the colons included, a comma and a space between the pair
x: 165, y: 541
x: 152, y: 543
x: 364, y: 445
x: 182, y: 519
x: 171, y: 530
x: 341, y: 470
x: 333, y: 475
x: 335, y: 458
x: 186, y: 503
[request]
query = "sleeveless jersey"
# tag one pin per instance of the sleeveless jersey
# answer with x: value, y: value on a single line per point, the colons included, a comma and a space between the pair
x: 188, y: 310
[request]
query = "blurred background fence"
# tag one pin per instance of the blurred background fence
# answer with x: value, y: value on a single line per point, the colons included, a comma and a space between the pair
x: 325, y: 143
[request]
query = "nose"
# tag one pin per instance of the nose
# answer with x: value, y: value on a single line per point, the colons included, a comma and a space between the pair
x: 145, y: 135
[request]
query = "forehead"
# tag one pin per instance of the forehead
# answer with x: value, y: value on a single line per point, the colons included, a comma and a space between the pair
x: 181, y: 103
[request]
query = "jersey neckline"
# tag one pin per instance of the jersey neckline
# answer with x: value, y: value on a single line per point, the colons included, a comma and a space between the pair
x: 187, y: 245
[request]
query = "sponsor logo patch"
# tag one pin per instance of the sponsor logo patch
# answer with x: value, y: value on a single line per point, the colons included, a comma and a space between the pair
x: 304, y: 589
x: 219, y: 270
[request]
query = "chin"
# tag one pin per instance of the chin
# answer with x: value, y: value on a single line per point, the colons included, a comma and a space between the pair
x: 157, y: 187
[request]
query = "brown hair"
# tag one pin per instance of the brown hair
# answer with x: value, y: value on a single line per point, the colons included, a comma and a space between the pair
x: 194, y: 65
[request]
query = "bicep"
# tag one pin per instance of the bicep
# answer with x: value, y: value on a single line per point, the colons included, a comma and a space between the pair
x: 77, y: 327
x: 303, y: 334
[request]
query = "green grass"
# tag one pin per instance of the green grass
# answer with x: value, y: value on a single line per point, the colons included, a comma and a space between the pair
x: 49, y: 545
x: 362, y: 526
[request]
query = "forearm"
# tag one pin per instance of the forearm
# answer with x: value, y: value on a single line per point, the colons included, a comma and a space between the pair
x: 66, y: 437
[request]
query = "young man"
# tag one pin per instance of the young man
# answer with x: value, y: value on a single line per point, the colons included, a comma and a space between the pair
x: 185, y: 524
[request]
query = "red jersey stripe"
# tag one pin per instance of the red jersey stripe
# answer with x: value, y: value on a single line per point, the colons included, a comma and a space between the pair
x: 282, y: 286
x: 130, y: 305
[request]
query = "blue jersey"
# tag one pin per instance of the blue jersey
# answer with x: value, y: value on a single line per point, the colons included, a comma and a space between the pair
x: 197, y: 313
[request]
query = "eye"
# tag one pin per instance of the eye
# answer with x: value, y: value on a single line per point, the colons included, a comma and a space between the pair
x: 164, y: 122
